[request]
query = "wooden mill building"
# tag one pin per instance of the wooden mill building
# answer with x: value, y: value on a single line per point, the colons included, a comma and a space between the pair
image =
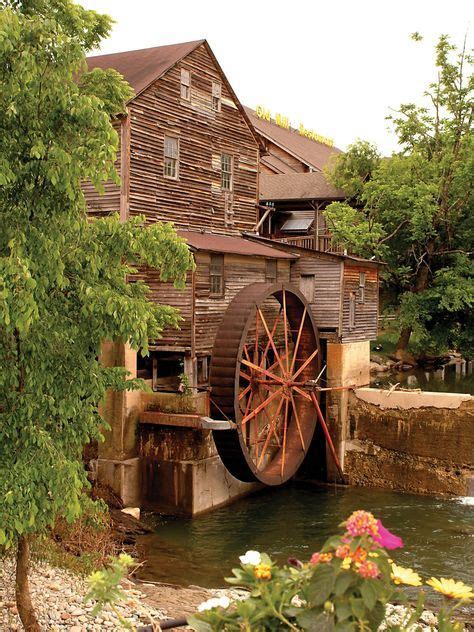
x: 191, y: 154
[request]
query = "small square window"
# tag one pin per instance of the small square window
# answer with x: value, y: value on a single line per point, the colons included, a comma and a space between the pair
x: 216, y: 276
x: 270, y: 270
x: 226, y: 172
x: 185, y: 84
x: 216, y: 96
x: 171, y: 157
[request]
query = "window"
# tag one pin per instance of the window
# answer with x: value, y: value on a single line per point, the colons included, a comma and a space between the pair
x: 352, y: 310
x: 216, y: 275
x: 270, y: 270
x: 185, y: 84
x: 216, y: 96
x: 171, y: 157
x: 226, y: 172
x: 361, y: 287
x: 307, y: 287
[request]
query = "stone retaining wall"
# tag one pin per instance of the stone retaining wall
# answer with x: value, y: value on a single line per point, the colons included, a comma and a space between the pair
x: 411, y: 441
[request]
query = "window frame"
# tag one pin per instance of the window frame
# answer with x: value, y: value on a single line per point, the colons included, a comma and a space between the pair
x: 271, y: 263
x: 229, y: 173
x: 312, y: 279
x: 352, y: 311
x: 185, y: 84
x: 216, y: 96
x: 167, y: 157
x: 362, y: 287
x: 216, y: 261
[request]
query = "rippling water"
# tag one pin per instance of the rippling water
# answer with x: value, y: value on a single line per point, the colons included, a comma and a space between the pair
x: 295, y: 520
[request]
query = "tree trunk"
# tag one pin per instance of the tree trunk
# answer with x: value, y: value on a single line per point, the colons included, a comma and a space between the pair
x: 403, y: 340
x: 22, y: 588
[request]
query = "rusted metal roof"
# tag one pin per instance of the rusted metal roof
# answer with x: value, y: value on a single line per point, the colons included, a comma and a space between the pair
x: 235, y: 245
x: 311, y: 152
x: 141, y: 67
x: 295, y: 224
x: 298, y: 186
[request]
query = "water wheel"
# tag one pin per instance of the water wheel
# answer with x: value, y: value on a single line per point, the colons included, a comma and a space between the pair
x: 265, y: 352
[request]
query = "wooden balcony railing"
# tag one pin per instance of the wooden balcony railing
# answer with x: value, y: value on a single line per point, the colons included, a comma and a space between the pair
x: 321, y: 243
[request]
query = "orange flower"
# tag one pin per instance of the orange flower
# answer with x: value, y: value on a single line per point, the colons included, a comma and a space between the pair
x: 263, y: 571
x: 320, y: 558
x: 343, y: 551
x: 359, y: 555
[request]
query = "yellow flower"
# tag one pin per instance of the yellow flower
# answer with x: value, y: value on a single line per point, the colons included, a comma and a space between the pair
x: 451, y: 588
x: 262, y: 571
x: 346, y: 563
x: 406, y: 576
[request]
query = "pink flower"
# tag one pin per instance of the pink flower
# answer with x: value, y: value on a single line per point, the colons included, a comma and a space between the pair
x: 387, y: 539
x: 360, y: 522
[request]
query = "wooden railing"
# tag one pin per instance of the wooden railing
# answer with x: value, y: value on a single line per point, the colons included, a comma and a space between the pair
x: 321, y: 243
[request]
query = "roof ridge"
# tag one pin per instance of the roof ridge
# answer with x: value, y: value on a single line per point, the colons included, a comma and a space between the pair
x: 148, y: 48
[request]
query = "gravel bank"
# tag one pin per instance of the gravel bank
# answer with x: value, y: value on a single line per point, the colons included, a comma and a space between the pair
x: 58, y: 597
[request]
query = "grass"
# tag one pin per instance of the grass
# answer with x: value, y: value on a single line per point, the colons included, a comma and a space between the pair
x: 387, y: 338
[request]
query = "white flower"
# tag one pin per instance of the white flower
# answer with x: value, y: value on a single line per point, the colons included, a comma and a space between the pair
x: 215, y: 602
x: 251, y: 557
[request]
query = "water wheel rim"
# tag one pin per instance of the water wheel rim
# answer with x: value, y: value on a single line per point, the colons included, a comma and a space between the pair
x: 299, y: 421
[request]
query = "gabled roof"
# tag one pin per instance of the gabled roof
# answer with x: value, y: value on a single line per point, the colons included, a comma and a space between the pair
x: 298, y: 186
x: 310, y: 152
x: 213, y: 242
x: 142, y: 67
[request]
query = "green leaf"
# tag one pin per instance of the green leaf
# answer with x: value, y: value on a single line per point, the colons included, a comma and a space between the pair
x: 321, y: 584
x: 314, y: 620
x: 369, y: 593
x: 357, y: 607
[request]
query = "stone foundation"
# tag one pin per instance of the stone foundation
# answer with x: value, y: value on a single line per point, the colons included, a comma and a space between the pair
x: 411, y: 441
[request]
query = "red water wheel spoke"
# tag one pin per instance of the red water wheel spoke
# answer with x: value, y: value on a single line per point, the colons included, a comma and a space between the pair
x: 267, y: 440
x: 272, y: 342
x: 297, y: 344
x: 305, y: 364
x: 261, y: 406
x: 297, y: 419
x: 285, y: 427
x: 285, y: 326
x: 260, y: 369
x: 268, y: 345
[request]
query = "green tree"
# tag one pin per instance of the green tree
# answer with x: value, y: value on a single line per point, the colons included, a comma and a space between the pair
x: 63, y: 279
x: 415, y: 209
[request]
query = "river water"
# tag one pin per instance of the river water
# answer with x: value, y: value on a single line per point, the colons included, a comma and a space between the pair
x: 295, y: 520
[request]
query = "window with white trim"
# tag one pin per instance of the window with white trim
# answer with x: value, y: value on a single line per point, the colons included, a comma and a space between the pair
x: 216, y: 96
x: 185, y: 84
x: 226, y: 172
x: 361, y: 298
x: 171, y: 157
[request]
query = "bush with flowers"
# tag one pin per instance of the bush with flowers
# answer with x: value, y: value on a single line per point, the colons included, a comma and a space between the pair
x: 344, y: 587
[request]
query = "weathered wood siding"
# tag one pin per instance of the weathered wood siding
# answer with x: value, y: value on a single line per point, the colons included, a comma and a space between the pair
x: 366, y: 313
x: 293, y: 165
x: 239, y: 271
x: 167, y: 294
x: 195, y: 199
x: 107, y: 203
x: 326, y: 303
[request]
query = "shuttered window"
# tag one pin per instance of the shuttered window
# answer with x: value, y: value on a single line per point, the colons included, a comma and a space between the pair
x: 216, y: 276
x: 352, y: 310
x: 171, y: 157
x: 361, y: 287
x: 216, y: 96
x: 270, y: 270
x: 307, y: 287
x: 226, y: 172
x: 185, y: 84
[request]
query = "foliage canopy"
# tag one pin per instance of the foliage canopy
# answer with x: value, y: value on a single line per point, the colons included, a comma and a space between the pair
x: 63, y: 278
x: 415, y: 209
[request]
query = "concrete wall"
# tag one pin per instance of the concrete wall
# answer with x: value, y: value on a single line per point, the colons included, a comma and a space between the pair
x: 411, y: 441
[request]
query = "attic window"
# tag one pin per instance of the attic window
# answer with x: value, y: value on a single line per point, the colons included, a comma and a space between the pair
x: 216, y: 96
x: 185, y: 84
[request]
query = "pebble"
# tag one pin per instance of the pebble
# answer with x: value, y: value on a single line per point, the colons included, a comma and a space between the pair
x: 58, y: 598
